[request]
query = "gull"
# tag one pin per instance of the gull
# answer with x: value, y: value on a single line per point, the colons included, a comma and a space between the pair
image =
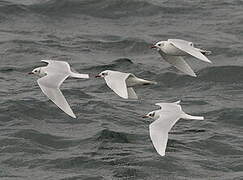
x: 122, y: 83
x: 172, y: 51
x: 165, y: 118
x: 51, y: 78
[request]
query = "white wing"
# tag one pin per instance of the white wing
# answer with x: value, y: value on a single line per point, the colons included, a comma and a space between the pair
x: 159, y: 129
x: 185, y: 46
x: 159, y: 138
x: 179, y: 63
x: 169, y: 114
x: 62, y: 67
x: 176, y: 107
x: 117, y: 82
x: 49, y: 85
x: 57, y: 66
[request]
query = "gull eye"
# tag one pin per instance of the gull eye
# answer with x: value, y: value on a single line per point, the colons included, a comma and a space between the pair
x: 102, y: 74
x: 159, y: 44
x: 152, y: 114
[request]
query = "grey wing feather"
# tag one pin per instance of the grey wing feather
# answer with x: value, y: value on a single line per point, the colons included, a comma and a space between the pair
x: 131, y: 93
x: 179, y: 63
x: 185, y: 46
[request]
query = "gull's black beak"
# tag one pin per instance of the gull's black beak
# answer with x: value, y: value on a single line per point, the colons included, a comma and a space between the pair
x: 98, y: 76
x: 145, y: 116
x: 30, y: 73
x: 153, y: 46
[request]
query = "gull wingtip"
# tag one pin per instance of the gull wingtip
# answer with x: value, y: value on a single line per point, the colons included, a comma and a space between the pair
x: 72, y: 115
x: 192, y: 75
x: 162, y: 154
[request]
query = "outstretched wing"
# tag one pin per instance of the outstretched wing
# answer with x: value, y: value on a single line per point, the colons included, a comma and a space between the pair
x: 49, y: 85
x: 170, y: 107
x: 169, y: 114
x: 57, y: 66
x: 159, y: 138
x: 160, y: 128
x: 179, y: 63
x: 185, y: 46
x: 131, y: 93
x: 117, y: 82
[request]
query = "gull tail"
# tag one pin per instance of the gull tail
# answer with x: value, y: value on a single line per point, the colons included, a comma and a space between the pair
x: 188, y: 116
x: 77, y: 75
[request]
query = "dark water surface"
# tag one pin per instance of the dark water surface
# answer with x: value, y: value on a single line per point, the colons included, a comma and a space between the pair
x: 109, y: 139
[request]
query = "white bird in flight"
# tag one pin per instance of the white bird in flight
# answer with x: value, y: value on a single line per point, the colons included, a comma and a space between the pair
x: 172, y: 51
x: 52, y: 76
x: 165, y: 118
x: 122, y: 83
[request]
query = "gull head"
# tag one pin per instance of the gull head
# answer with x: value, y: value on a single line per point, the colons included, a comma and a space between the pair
x: 102, y: 74
x: 152, y: 115
x: 159, y: 45
x: 38, y: 71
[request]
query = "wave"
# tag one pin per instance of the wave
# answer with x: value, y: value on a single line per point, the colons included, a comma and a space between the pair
x: 6, y: 69
x: 112, y: 136
x: 121, y: 63
x: 46, y: 140
x: 224, y: 74
x: 104, y: 8
x: 111, y: 9
x: 131, y: 45
x: 7, y: 8
x: 210, y: 75
x: 231, y: 116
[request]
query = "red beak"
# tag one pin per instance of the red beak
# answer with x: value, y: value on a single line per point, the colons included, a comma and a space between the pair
x: 153, y: 46
x: 97, y: 76
x: 30, y: 73
x: 145, y: 116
